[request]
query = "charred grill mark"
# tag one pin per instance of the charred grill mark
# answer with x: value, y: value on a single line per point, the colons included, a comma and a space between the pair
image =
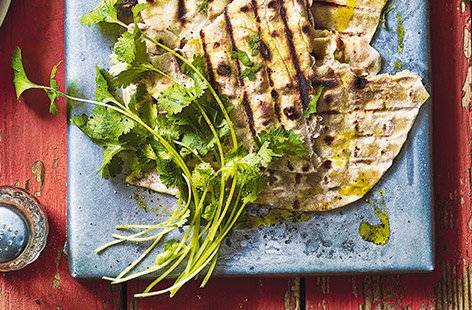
x: 331, y: 83
x: 291, y: 113
x: 255, y: 10
x: 360, y: 83
x: 264, y: 50
x: 298, y: 178
x: 249, y: 114
x: 328, y: 99
x: 269, y: 76
x: 296, y: 205
x: 328, y: 140
x: 211, y: 75
x: 289, y: 166
x: 229, y: 30
x: 326, y: 3
x: 306, y: 29
x: 272, y: 4
x: 277, y: 110
x: 303, y: 84
x: 224, y: 69
x: 181, y: 11
x: 275, y: 95
x: 329, y: 112
x: 244, y: 9
x: 306, y: 167
x: 272, y: 178
x: 328, y: 164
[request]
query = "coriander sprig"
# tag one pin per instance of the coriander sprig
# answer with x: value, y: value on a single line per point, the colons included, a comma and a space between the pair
x: 186, y: 136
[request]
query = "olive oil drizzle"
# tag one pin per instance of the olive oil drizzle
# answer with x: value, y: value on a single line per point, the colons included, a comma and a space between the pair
x: 380, y: 233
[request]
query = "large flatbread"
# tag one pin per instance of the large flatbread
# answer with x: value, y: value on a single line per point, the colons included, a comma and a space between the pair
x: 363, y: 119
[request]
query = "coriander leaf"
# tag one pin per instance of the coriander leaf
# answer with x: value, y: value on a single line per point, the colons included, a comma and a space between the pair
x: 201, y: 175
x: 130, y: 48
x: 20, y: 80
x: 250, y: 72
x: 169, y: 173
x: 132, y: 75
x: 262, y: 158
x: 199, y: 62
x: 138, y: 8
x: 203, y: 7
x: 168, y: 252
x: 54, y: 93
x: 242, y: 56
x: 104, y: 92
x: 124, y: 48
x: 196, y: 143
x: 209, y: 211
x: 199, y: 85
x: 253, y: 187
x: 110, y: 151
x: 254, y: 43
x: 104, y: 126
x: 113, y: 168
x: 312, y: 106
x: 174, y: 99
x: 105, y: 11
x: 282, y: 141
x: 149, y: 152
x: 183, y: 219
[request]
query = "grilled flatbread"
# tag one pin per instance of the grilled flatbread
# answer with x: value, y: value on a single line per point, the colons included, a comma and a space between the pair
x: 352, y: 17
x: 366, y: 121
x: 363, y: 119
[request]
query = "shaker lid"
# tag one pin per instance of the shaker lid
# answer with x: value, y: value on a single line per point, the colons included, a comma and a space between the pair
x: 23, y: 228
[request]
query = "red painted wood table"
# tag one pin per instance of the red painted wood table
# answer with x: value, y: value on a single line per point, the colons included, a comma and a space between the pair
x: 31, y: 138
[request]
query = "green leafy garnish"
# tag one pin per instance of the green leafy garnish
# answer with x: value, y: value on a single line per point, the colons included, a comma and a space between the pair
x: 313, y: 105
x: 105, y: 11
x: 185, y: 134
x: 203, y: 7
x: 242, y: 56
x: 23, y: 83
x: 282, y: 141
x: 254, y: 43
x: 250, y: 72
x: 383, y: 18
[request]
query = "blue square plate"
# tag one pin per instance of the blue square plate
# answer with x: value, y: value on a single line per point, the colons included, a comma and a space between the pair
x: 327, y: 243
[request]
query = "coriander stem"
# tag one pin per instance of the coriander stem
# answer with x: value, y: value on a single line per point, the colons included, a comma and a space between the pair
x: 212, y: 90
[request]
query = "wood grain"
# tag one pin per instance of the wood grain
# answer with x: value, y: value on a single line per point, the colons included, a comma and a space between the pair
x: 33, y: 156
x: 236, y: 293
x: 449, y: 287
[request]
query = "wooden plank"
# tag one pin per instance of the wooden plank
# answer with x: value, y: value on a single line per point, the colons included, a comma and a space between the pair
x: 449, y: 287
x: 29, y: 137
x: 228, y: 293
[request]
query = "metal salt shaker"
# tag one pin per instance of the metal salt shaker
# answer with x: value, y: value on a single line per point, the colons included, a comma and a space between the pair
x: 23, y: 228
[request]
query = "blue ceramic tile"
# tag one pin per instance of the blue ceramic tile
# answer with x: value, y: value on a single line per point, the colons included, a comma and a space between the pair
x: 328, y: 243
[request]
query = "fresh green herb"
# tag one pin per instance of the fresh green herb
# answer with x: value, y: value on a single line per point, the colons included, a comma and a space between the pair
x: 282, y: 141
x: 254, y: 43
x: 383, y: 18
x: 398, y: 65
x: 400, y: 34
x: 203, y: 7
x: 22, y: 83
x: 187, y: 137
x: 106, y: 11
x: 313, y: 105
x: 250, y: 72
x: 243, y: 57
